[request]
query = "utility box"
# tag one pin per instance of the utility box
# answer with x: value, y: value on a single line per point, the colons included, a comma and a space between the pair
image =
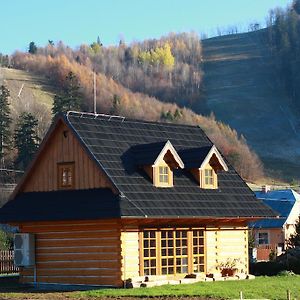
x: 24, y: 249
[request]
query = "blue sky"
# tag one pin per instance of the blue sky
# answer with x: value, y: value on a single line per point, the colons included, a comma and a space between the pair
x: 81, y: 21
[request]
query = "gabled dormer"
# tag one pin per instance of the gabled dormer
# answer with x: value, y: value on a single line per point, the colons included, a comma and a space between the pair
x: 158, y: 160
x: 204, y: 163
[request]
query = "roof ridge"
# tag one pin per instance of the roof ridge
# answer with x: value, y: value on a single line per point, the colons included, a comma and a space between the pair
x: 117, y: 118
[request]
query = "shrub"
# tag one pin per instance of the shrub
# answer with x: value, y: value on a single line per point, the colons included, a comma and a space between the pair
x: 6, y: 240
x: 268, y: 268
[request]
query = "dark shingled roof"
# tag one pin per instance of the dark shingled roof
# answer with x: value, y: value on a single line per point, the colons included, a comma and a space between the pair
x: 194, y: 157
x: 111, y: 143
x: 146, y: 154
x: 62, y: 205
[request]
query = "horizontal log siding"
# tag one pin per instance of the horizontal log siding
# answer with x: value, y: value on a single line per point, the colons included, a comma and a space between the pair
x: 226, y: 243
x: 78, y: 253
x: 59, y: 149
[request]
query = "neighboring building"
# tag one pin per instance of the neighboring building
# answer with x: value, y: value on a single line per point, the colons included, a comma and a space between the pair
x: 109, y: 199
x: 272, y: 234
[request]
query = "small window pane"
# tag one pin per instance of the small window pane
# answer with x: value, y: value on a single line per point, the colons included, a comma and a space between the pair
x: 153, y: 272
x: 263, y: 238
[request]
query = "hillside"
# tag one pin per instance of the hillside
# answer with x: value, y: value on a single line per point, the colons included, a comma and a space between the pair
x: 29, y: 92
x: 48, y: 72
x: 242, y: 90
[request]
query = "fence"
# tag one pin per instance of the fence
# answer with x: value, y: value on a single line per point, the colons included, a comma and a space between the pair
x: 264, y: 251
x: 7, y: 262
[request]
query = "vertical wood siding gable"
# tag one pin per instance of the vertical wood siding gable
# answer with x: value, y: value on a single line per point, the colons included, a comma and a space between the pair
x: 59, y: 149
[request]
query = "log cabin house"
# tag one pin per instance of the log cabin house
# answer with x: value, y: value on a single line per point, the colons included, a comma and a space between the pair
x: 108, y: 199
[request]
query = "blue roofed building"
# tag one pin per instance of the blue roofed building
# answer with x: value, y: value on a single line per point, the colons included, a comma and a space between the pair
x: 272, y: 234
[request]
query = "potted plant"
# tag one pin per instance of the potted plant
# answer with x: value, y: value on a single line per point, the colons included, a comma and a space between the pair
x: 229, y: 267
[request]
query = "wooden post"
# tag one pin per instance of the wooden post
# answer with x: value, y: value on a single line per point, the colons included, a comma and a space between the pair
x: 288, y: 295
x: 241, y: 295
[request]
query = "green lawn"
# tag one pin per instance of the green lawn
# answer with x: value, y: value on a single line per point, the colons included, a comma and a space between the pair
x: 259, y: 288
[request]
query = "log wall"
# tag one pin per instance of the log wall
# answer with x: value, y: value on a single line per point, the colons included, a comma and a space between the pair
x: 224, y: 244
x: 86, y: 252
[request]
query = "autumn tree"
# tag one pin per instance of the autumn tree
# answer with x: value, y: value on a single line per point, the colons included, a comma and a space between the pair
x: 70, y: 97
x: 161, y: 56
x: 26, y: 139
x: 5, y: 121
x: 116, y: 103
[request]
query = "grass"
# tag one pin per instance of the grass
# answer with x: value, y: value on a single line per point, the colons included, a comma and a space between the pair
x: 259, y: 288
x: 35, y: 87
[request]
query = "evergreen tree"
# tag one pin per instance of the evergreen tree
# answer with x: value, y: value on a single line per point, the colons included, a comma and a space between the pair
x: 70, y: 98
x: 5, y: 121
x: 294, y: 240
x: 99, y: 41
x: 26, y: 139
x: 296, y: 6
x: 32, y: 48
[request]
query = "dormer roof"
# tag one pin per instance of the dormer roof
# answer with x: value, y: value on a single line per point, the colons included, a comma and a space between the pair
x: 199, y: 157
x: 152, y: 153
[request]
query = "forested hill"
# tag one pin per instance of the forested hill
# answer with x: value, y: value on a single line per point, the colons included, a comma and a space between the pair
x: 52, y: 65
x: 233, y: 79
x: 243, y: 88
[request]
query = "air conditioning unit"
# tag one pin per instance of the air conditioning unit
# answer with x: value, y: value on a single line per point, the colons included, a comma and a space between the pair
x: 24, y: 249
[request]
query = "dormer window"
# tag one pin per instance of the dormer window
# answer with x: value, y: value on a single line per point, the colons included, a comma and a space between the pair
x: 209, y: 177
x: 163, y: 175
x: 204, y: 163
x: 158, y: 160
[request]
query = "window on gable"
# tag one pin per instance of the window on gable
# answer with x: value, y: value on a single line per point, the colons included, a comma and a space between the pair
x: 66, y: 175
x: 263, y: 238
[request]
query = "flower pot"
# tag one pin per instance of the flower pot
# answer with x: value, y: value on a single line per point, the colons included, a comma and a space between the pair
x: 227, y: 272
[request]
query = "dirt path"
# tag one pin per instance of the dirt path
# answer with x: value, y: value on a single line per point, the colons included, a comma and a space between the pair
x: 11, y: 290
